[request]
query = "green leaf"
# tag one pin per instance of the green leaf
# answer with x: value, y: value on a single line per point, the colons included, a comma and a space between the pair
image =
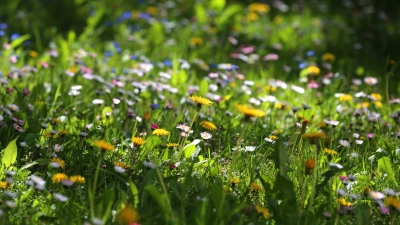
x: 17, y: 42
x: 149, y: 145
x: 158, y: 197
x: 201, y: 14
x: 229, y: 12
x: 385, y: 165
x: 362, y: 214
x: 203, y: 88
x: 135, y: 193
x: 10, y: 153
x: 217, y: 4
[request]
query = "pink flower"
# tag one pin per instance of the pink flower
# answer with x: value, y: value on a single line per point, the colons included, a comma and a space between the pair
x: 271, y: 56
x: 247, y: 49
x: 313, y: 84
x: 371, y: 80
x: 44, y: 65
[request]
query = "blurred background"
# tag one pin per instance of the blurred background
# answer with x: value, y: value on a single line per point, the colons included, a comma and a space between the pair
x: 360, y: 32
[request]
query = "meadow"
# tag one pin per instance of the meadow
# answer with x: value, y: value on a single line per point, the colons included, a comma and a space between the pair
x: 199, y: 112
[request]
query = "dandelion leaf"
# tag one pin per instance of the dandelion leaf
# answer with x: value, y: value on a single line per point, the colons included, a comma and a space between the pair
x: 10, y: 154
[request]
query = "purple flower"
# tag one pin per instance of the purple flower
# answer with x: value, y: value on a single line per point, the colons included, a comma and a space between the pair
x: 18, y: 128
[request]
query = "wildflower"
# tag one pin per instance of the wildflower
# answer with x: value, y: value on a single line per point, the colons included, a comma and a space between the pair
x: 200, y: 101
x: 104, y: 145
x: 234, y: 181
x: 328, y: 57
x: 343, y: 202
x: 58, y: 148
x: 371, y: 81
x: 313, y: 70
x: 330, y: 152
x: 345, y: 98
x: 18, y: 128
x: 60, y: 197
x: 196, y: 41
x: 250, y: 112
x: 259, y: 8
x: 208, y: 125
x: 393, y: 202
x: 119, y: 169
x: 183, y: 127
x: 160, y: 132
x: 376, y: 195
x: 172, y: 145
x: 3, y: 184
x: 249, y: 148
x: 335, y: 165
x: 256, y: 187
x: 120, y: 164
x: 205, y: 135
x: 310, y: 165
x: 58, y: 177
x: 77, y: 179
x: 376, y: 97
x: 13, y: 107
x: 264, y: 211
x: 154, y: 126
x: 59, y: 161
x: 128, y: 215
x: 138, y: 141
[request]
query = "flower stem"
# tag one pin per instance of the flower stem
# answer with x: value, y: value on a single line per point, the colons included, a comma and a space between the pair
x: 96, y: 176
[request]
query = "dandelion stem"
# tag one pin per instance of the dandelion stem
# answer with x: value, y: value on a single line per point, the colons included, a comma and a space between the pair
x: 190, y: 128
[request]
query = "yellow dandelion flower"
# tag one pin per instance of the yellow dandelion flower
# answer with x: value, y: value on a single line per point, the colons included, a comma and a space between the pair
x: 345, y: 98
x: 250, y: 112
x: 273, y: 137
x: 33, y: 54
x: 58, y: 177
x: 104, y: 145
x: 328, y: 57
x: 376, y: 96
x: 343, y: 202
x: 330, y: 152
x: 393, y: 202
x: 256, y: 187
x: 234, y: 181
x: 137, y: 141
x: 120, y: 164
x: 362, y: 105
x: 172, y: 145
x: 77, y: 179
x: 152, y: 10
x: 128, y: 215
x: 378, y: 104
x: 3, y: 184
x: 160, y: 132
x: 208, y: 125
x: 313, y: 70
x: 252, y: 16
x: 59, y: 161
x: 196, y: 41
x: 259, y: 7
x: 201, y: 101
x: 264, y: 211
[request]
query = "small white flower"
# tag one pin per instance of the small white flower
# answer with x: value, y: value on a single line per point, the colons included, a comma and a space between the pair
x: 249, y: 148
x: 149, y: 165
x: 60, y: 197
x: 205, y: 135
x: 335, y: 165
x: 58, y: 148
x: 98, y: 101
x: 119, y: 169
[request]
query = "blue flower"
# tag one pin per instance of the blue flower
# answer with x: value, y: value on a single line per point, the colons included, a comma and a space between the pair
x: 154, y: 106
x: 167, y: 62
x: 310, y: 53
x: 302, y: 65
x: 14, y: 36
